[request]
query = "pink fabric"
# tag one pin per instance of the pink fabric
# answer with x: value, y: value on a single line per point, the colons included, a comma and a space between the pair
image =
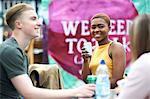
x: 80, y: 11
x: 137, y: 82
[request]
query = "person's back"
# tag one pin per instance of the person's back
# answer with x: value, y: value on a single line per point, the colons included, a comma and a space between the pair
x: 137, y: 84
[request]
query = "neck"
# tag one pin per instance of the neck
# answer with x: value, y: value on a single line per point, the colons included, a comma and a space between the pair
x: 22, y: 40
x: 103, y: 42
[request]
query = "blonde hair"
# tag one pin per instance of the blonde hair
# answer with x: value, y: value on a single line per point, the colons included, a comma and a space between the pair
x: 103, y: 16
x: 14, y: 12
x: 140, y: 36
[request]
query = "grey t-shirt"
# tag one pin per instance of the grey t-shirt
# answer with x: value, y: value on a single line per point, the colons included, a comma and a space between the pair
x: 13, y: 62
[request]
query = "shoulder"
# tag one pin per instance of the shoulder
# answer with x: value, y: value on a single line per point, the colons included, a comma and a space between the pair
x: 140, y: 68
x: 9, y: 50
x: 117, y: 47
x: 143, y: 63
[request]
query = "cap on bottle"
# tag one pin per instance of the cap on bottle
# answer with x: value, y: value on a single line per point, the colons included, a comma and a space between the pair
x: 102, y: 61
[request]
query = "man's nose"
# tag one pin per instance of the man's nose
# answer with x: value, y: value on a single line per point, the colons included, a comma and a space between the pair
x: 39, y: 22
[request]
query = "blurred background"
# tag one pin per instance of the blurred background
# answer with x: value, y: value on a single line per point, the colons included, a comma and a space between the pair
x: 66, y: 26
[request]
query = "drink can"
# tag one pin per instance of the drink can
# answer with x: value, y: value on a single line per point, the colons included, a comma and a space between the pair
x: 88, y: 47
x: 91, y: 79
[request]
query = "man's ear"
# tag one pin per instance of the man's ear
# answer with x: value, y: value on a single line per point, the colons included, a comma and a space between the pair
x: 18, y: 24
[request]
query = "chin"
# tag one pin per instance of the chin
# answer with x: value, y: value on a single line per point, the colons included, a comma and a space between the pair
x: 98, y: 39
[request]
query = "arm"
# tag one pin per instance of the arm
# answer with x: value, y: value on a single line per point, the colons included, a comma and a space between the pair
x: 118, y: 63
x: 85, y: 70
x: 85, y: 65
x: 24, y: 86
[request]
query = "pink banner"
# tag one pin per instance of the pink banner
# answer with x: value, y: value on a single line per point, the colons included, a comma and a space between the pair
x: 69, y: 28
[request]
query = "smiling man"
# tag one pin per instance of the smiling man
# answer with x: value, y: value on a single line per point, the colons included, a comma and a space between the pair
x: 14, y: 80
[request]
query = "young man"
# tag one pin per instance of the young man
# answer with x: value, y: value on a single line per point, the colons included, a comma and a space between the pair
x: 14, y: 81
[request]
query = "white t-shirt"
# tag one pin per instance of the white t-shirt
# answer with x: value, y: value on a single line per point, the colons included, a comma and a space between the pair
x: 137, y: 85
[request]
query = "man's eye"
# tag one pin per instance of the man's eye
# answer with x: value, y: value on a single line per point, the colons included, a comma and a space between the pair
x: 33, y: 18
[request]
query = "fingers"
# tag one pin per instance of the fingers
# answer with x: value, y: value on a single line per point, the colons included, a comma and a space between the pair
x: 85, y: 53
x: 84, y: 50
x: 90, y: 90
x: 87, y: 90
x: 91, y: 86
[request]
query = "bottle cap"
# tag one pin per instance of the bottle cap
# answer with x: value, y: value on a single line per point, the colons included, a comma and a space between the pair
x: 102, y: 62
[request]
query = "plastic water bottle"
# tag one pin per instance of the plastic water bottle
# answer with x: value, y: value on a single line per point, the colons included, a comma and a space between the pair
x: 102, y: 82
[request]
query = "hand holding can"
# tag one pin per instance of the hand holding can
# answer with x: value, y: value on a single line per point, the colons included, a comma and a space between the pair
x: 88, y: 47
x: 91, y: 79
x: 86, y: 51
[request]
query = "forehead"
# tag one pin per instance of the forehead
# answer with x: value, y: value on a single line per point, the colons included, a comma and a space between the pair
x: 98, y: 21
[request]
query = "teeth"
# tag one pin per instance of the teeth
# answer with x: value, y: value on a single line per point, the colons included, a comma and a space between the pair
x: 97, y: 35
